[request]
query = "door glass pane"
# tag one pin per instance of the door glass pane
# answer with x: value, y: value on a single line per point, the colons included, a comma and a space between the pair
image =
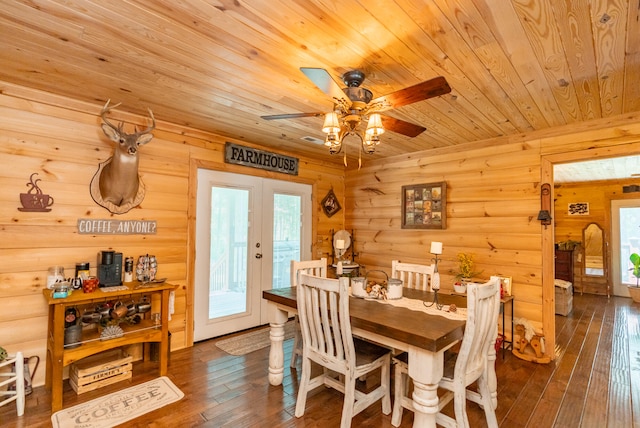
x: 227, y: 269
x: 629, y: 242
x: 286, y: 236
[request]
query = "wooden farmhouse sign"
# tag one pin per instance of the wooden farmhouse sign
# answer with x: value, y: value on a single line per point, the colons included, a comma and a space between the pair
x: 260, y: 159
x: 90, y: 226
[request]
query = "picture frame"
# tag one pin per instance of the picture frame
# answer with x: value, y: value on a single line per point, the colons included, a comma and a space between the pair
x: 506, y: 283
x: 424, y: 206
x: 330, y: 204
x: 578, y: 208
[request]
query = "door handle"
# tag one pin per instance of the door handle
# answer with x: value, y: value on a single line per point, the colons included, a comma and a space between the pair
x: 258, y: 255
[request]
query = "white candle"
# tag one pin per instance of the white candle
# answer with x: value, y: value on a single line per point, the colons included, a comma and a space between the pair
x: 340, y: 244
x: 436, y: 247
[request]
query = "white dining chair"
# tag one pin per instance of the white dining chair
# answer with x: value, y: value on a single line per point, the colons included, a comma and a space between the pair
x: 470, y: 364
x: 413, y: 275
x: 311, y: 267
x: 323, y: 309
x: 15, y: 375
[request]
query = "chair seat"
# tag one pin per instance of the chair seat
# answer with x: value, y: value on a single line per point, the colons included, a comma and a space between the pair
x: 367, y: 352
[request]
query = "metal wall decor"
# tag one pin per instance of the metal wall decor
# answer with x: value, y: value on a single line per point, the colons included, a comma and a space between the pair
x: 35, y: 200
x: 424, y: 206
x: 261, y: 159
x: 330, y: 204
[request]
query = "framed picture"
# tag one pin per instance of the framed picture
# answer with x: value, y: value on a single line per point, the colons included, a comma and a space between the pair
x: 505, y: 285
x: 330, y: 204
x: 424, y: 206
x: 578, y: 208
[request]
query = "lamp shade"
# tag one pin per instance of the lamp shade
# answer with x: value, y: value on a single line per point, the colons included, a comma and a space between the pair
x: 374, y: 127
x: 331, y: 123
x: 436, y: 248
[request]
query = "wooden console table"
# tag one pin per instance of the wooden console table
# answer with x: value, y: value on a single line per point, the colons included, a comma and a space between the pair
x: 58, y: 357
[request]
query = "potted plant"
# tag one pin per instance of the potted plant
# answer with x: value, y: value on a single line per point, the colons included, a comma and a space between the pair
x: 634, y: 290
x: 465, y: 271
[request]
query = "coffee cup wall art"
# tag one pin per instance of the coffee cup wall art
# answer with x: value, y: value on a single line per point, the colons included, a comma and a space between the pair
x: 35, y: 200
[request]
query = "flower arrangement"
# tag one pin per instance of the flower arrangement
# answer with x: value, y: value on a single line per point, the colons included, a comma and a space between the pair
x: 466, y: 266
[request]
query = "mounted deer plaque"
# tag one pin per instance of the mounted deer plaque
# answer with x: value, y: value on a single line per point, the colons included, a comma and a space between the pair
x: 116, y: 185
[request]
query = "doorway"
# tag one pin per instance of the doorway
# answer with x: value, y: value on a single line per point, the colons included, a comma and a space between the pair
x: 248, y: 229
x: 625, y: 239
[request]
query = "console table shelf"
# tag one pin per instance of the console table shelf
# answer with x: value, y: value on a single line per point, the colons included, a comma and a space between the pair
x: 58, y: 357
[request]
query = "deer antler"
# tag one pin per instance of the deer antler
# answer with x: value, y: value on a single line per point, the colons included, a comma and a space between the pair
x: 150, y: 128
x: 106, y: 109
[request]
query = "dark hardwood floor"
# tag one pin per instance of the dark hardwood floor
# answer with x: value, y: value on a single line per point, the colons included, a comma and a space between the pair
x: 593, y: 382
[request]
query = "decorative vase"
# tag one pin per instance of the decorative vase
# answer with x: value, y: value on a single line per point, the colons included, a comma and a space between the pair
x: 634, y: 292
x: 460, y: 288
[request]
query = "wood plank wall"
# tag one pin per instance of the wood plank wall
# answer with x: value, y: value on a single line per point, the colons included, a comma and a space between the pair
x: 493, y: 199
x: 492, y: 204
x: 61, y: 140
x: 599, y: 195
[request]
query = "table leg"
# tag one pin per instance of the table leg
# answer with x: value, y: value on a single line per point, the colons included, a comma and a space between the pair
x: 425, y: 369
x: 277, y: 318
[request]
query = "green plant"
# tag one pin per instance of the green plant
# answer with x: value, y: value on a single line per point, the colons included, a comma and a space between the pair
x: 635, y: 260
x: 466, y: 266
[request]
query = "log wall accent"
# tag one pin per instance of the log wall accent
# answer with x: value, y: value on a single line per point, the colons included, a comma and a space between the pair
x: 61, y: 140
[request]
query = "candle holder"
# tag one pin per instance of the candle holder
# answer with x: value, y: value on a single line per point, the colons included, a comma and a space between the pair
x: 435, y: 279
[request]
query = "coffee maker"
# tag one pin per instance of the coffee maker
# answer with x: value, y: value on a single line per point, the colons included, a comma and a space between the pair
x: 109, y: 268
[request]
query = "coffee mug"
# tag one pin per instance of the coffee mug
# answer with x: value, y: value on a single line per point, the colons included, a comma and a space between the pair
x: 34, y: 201
x: 118, y: 311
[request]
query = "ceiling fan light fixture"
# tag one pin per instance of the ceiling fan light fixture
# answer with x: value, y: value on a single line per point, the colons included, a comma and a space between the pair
x: 334, y: 148
x: 374, y: 127
x: 331, y: 123
x: 369, y: 143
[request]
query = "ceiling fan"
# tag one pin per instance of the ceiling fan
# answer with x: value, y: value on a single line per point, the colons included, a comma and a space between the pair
x: 355, y: 104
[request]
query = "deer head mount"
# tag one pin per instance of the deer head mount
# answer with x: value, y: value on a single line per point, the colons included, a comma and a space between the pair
x: 117, y: 185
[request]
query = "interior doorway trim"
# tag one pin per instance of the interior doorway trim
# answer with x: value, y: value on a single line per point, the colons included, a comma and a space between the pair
x: 547, y: 161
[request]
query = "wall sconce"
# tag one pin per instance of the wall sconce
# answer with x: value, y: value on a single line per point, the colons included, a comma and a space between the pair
x: 545, y: 205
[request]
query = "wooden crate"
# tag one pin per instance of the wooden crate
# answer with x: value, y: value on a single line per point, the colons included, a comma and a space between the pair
x: 99, y: 370
x: 564, y: 300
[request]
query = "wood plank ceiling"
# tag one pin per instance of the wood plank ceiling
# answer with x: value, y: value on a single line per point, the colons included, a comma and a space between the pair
x: 218, y: 65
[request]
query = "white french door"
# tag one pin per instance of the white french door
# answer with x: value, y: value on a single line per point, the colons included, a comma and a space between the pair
x: 625, y: 240
x: 248, y: 229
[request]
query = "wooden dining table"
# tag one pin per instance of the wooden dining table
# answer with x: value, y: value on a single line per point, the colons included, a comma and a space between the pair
x: 424, y: 336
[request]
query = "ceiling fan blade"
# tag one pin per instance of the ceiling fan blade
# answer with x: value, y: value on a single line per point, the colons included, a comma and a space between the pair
x: 291, y: 116
x: 401, y: 127
x: 323, y: 80
x: 422, y: 91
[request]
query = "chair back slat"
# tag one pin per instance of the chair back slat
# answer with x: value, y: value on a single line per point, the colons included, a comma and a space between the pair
x: 323, y: 310
x: 413, y: 275
x: 311, y: 267
x: 483, y: 307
